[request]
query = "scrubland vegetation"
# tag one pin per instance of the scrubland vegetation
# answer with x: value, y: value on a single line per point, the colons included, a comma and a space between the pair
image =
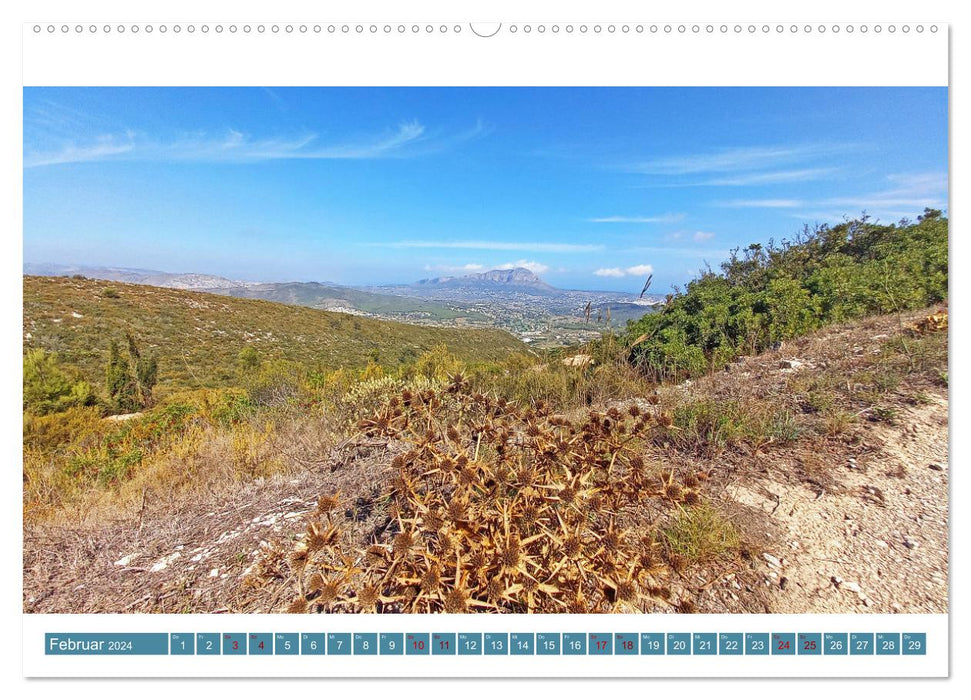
x: 552, y: 482
x: 767, y: 294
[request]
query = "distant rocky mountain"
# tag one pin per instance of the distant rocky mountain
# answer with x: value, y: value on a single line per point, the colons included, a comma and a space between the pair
x: 507, y: 280
x: 154, y: 278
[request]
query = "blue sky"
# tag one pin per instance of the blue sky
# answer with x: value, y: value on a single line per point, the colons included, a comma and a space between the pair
x: 592, y: 188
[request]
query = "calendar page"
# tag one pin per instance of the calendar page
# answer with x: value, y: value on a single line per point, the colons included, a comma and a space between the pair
x: 546, y: 346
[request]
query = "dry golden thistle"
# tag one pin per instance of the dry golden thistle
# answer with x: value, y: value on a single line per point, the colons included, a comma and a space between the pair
x: 298, y: 557
x: 430, y: 580
x: 578, y: 605
x: 376, y: 555
x: 572, y: 546
x: 494, y: 507
x: 369, y: 596
x: 329, y: 503
x: 319, y: 537
x: 457, y: 509
x: 627, y: 591
x: 478, y: 559
x: 511, y: 555
x: 433, y: 521
x: 457, y: 600
x: 493, y: 590
x: 315, y: 583
x: 403, y: 542
x: 567, y: 495
x: 329, y: 592
x: 687, y: 607
x: 298, y: 606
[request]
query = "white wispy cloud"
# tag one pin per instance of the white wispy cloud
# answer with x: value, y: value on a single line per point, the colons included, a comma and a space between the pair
x: 533, y: 266
x: 906, y: 190
x: 633, y: 270
x: 519, y: 246
x: 763, y: 203
x: 468, y: 268
x: 772, y: 177
x: 696, y: 236
x: 537, y: 268
x: 693, y: 252
x: 609, y: 272
x: 102, y: 149
x: 408, y: 139
x: 905, y: 194
x: 731, y: 160
x: 657, y: 219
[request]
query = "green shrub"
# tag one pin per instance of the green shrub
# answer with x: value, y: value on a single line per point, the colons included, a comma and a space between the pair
x: 437, y: 364
x: 249, y: 359
x: 48, y: 388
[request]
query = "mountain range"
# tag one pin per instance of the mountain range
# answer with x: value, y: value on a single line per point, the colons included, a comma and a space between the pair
x: 515, y: 299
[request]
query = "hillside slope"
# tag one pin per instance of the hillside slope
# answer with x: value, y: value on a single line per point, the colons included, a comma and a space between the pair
x: 198, y: 336
x: 827, y: 456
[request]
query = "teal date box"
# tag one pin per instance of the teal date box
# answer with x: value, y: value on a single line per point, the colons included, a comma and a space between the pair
x: 495, y: 643
x: 652, y: 643
x: 783, y: 644
x: 182, y: 644
x: 704, y: 644
x: 470, y: 644
x: 756, y: 644
x: 312, y: 644
x: 600, y: 644
x: 207, y: 643
x: 286, y: 643
x: 365, y: 644
x: 417, y: 644
x: 391, y: 643
x: 836, y: 644
x: 574, y: 643
x: 548, y: 643
x: 887, y: 643
x: 913, y: 644
x: 679, y: 643
x: 338, y: 644
x: 731, y: 644
x: 443, y: 644
x: 626, y: 644
x: 260, y: 644
x: 522, y: 643
x: 809, y: 644
x: 861, y: 643
x: 234, y: 644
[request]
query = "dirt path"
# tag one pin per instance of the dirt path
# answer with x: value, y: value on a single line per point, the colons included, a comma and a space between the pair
x: 880, y: 544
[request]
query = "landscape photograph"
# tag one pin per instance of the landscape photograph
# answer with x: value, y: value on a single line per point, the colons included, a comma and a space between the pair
x: 485, y: 350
